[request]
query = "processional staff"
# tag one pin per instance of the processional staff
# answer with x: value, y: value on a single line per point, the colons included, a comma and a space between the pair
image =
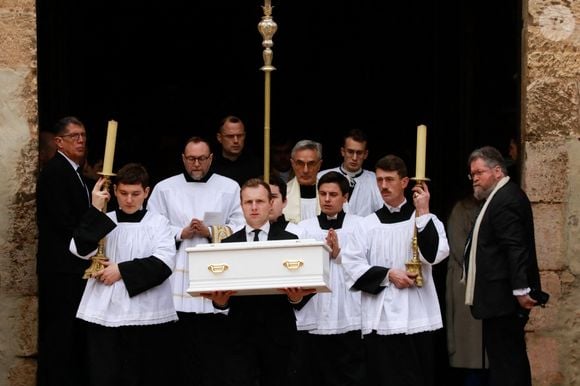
x: 107, y: 173
x: 267, y: 28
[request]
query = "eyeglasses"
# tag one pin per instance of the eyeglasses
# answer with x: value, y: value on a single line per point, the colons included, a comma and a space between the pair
x: 309, y: 164
x: 74, y: 136
x: 477, y: 173
x: 352, y: 153
x: 200, y: 159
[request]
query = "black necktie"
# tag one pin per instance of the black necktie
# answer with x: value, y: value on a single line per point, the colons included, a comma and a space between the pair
x: 79, y: 172
x: 256, y: 231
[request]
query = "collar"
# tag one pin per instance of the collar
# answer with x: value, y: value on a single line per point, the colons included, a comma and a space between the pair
x: 356, y: 174
x: 307, y: 191
x: 396, y: 209
x: 264, y: 228
x: 204, y: 179
x: 387, y: 217
x: 280, y: 221
x: 74, y: 165
x: 335, y: 223
x: 133, y: 217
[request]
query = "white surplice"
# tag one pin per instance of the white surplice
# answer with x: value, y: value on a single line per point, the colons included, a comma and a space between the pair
x: 394, y: 311
x: 181, y: 201
x: 110, y: 305
x: 338, y: 311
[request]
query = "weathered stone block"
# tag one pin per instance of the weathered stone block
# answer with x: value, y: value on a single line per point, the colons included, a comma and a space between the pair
x: 548, y: 58
x: 18, y: 31
x: 545, y: 170
x: 22, y: 373
x: 553, y: 108
x: 543, y: 352
x: 547, y: 319
x: 26, y: 326
x: 550, y: 245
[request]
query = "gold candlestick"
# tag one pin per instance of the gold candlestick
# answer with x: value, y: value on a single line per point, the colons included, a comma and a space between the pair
x: 414, y: 265
x: 97, y: 260
x: 267, y: 28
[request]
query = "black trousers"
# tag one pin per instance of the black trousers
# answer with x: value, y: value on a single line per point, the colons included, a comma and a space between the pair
x: 401, y: 360
x: 338, y: 360
x: 202, y: 348
x: 131, y: 355
x: 504, y: 340
x: 61, y: 336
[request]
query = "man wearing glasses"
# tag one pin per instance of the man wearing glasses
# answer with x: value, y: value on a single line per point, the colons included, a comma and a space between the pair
x: 62, y: 197
x: 202, y: 207
x: 503, y: 280
x: 364, y: 196
x: 306, y: 158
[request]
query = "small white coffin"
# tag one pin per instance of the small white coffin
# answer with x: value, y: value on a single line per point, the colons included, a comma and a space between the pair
x: 261, y: 267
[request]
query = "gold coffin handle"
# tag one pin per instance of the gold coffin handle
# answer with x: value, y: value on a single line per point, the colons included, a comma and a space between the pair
x: 293, y: 265
x: 218, y: 268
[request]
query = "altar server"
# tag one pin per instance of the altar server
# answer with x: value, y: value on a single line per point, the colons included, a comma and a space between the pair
x: 398, y: 317
x: 127, y: 303
x: 333, y: 320
x: 363, y: 195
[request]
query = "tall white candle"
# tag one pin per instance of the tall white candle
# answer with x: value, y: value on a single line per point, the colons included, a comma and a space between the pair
x: 110, y: 148
x: 421, y: 151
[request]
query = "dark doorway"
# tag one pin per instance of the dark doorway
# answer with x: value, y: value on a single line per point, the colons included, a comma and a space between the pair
x: 168, y: 70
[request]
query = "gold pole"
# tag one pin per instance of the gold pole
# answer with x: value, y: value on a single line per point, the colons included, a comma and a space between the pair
x: 267, y: 28
x: 97, y: 260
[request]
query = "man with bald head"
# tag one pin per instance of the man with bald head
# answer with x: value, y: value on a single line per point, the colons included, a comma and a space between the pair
x: 187, y: 199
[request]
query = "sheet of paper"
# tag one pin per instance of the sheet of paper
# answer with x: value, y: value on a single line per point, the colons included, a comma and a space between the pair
x: 213, y: 218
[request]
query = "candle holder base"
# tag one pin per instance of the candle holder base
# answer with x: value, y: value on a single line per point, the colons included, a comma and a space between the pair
x: 420, y: 179
x: 96, y: 266
x: 415, y: 267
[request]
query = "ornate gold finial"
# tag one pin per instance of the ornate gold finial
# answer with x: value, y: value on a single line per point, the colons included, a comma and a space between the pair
x: 267, y: 28
x: 267, y: 8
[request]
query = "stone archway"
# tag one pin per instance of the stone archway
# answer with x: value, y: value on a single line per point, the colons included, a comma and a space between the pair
x: 551, y: 176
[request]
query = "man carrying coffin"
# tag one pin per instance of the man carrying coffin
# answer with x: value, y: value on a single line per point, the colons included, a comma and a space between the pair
x: 263, y: 325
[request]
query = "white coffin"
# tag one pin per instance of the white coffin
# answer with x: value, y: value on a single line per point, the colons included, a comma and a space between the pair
x: 262, y: 267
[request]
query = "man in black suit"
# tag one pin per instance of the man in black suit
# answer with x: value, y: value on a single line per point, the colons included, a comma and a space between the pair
x: 62, y: 198
x: 263, y: 326
x: 502, y: 267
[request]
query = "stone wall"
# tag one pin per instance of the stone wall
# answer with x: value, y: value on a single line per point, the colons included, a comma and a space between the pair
x: 18, y: 168
x: 551, y: 139
x: 551, y: 131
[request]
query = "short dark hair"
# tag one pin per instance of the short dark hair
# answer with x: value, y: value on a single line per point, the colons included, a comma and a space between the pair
x: 62, y: 124
x: 133, y: 174
x: 392, y: 163
x: 357, y: 135
x: 228, y: 119
x: 279, y: 182
x: 335, y: 178
x: 490, y: 155
x: 254, y: 183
